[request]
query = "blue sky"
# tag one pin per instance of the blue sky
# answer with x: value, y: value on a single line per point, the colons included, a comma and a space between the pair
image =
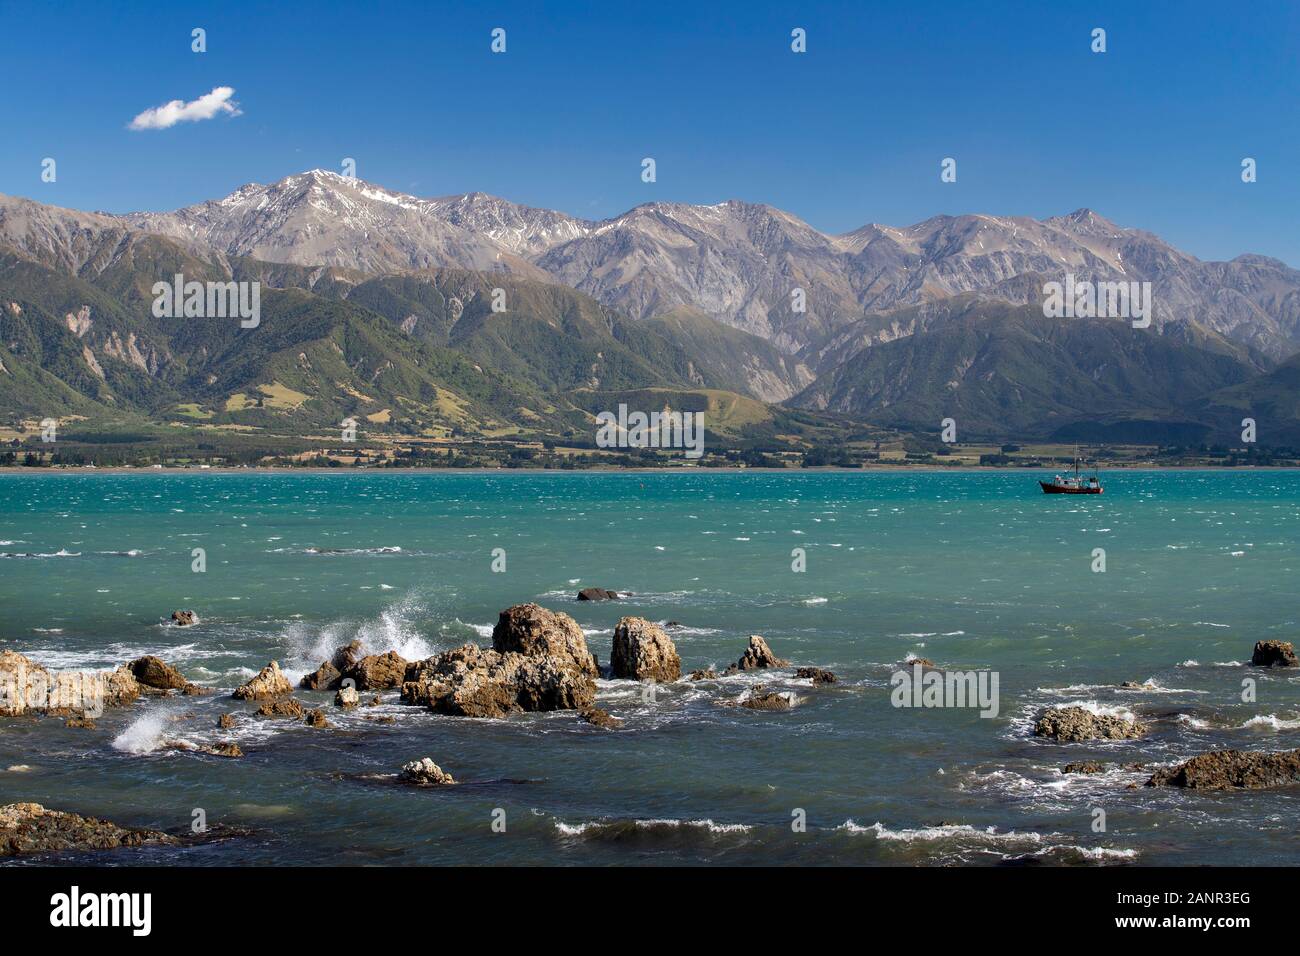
x: 1150, y: 134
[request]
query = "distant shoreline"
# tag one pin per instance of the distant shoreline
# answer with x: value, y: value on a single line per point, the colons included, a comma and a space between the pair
x: 819, y: 469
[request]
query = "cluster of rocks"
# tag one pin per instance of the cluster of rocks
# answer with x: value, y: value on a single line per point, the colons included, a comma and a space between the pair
x: 1231, y: 770
x: 385, y: 671
x: 184, y: 618
x: 27, y: 687
x: 1072, y: 724
x: 31, y: 828
x: 1274, y: 654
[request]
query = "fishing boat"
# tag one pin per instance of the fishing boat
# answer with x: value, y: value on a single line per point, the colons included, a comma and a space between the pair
x: 1073, y: 484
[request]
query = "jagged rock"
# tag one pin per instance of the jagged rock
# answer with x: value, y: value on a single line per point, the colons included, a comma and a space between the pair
x: 330, y: 673
x: 225, y: 749
x: 1071, y: 724
x: 270, y: 682
x: 469, y: 681
x: 378, y: 671
x: 643, y: 651
x: 1274, y: 654
x: 1231, y: 770
x: 818, y: 675
x: 154, y: 672
x: 707, y: 673
x: 316, y: 718
x: 184, y: 618
x: 597, y: 594
x: 226, y: 721
x: 31, y: 828
x: 1084, y: 766
x: 756, y: 657
x: 425, y: 773
x: 28, y: 687
x: 325, y: 677
x: 600, y: 718
x: 534, y: 631
x: 347, y: 697
x: 281, y: 708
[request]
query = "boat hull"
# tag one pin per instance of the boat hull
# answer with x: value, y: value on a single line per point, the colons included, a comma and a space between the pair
x: 1051, y: 489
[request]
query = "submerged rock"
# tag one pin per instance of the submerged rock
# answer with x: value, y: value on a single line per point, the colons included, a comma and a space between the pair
x: 600, y: 718
x: 31, y: 828
x: 757, y: 656
x: 707, y: 673
x: 154, y: 672
x: 270, y: 682
x: 425, y: 773
x: 643, y: 651
x: 597, y: 594
x: 1070, y: 724
x: 1231, y: 770
x: 760, y: 698
x: 818, y: 675
x: 1274, y: 654
x: 281, y: 708
x: 1084, y: 766
x: 184, y: 618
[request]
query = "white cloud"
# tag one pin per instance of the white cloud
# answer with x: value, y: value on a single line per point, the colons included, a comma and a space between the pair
x: 178, y: 111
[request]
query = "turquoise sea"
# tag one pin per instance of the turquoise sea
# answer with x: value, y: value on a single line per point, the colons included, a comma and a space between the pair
x: 973, y: 570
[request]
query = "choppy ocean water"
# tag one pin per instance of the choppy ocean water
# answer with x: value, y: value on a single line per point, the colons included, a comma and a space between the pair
x: 971, y: 570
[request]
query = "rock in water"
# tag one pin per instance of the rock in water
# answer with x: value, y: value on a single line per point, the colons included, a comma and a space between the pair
x: 281, y: 708
x: 330, y: 673
x: 818, y: 675
x: 226, y: 721
x: 425, y: 773
x: 31, y: 828
x: 597, y: 594
x: 707, y: 673
x: 756, y: 657
x: 643, y: 651
x: 1070, y: 724
x: 347, y: 697
x: 600, y: 718
x: 1231, y: 770
x: 317, y: 718
x: 533, y: 631
x: 27, y: 687
x: 760, y: 698
x: 469, y: 681
x: 184, y: 618
x: 154, y: 672
x: 1084, y: 766
x: 1274, y: 654
x: 378, y: 671
x: 270, y: 682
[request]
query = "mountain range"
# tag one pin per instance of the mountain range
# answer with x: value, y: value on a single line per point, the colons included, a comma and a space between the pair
x: 380, y: 304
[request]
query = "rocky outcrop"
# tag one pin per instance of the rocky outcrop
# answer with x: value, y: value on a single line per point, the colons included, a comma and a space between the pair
x: 154, y: 672
x: 1274, y: 654
x: 31, y: 828
x: 282, y: 708
x: 922, y: 662
x: 1070, y: 724
x: 331, y: 672
x: 347, y: 697
x: 757, y: 657
x: 533, y: 631
x: 378, y: 671
x: 1231, y: 770
x: 818, y: 675
x: 184, y: 618
x: 425, y: 773
x: 643, y: 651
x: 28, y: 687
x: 600, y: 718
x: 597, y: 594
x: 706, y: 673
x: 469, y: 681
x: 760, y: 698
x: 317, y: 718
x: 270, y: 682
